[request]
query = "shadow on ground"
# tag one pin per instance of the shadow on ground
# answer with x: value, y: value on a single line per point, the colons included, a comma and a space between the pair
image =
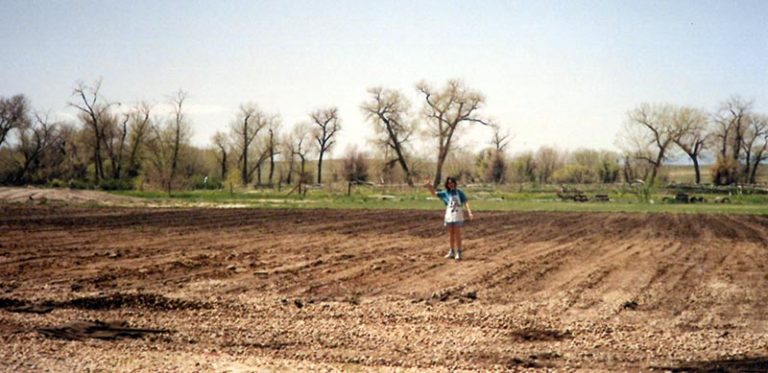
x: 756, y: 364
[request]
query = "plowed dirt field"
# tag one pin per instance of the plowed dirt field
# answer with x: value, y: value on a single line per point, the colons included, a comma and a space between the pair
x: 254, y: 290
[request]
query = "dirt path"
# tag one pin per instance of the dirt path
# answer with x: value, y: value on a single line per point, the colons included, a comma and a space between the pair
x: 346, y: 290
x: 39, y: 196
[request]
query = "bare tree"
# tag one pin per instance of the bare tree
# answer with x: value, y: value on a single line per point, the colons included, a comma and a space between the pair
x: 115, y: 134
x: 289, y: 158
x: 301, y: 146
x: 500, y: 139
x: 327, y: 123
x: 524, y: 167
x: 221, y: 145
x: 266, y: 148
x: 262, y: 156
x: 180, y: 130
x: 754, y: 145
x: 498, y: 168
x: 491, y: 165
x: 388, y: 110
x: 159, y: 147
x: 139, y: 128
x: 691, y: 134
x: 75, y: 154
x: 167, y: 142
x: 249, y: 122
x: 273, y: 145
x: 730, y: 126
x: 649, y: 134
x: 14, y: 113
x: 633, y: 168
x: 355, y: 164
x: 93, y: 111
x: 298, y: 145
x: 446, y: 110
x: 34, y: 141
x: 548, y: 159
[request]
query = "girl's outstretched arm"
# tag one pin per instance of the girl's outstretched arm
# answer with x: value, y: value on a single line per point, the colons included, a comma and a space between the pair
x: 429, y: 186
x: 469, y: 210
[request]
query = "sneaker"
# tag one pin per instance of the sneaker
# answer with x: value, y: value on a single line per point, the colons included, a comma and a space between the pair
x: 458, y: 254
x: 449, y: 255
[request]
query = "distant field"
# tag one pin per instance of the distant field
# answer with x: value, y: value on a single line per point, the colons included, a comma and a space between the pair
x: 482, y: 199
x: 686, y: 174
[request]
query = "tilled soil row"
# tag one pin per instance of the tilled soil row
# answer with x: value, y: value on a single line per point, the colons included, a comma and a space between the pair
x: 344, y: 290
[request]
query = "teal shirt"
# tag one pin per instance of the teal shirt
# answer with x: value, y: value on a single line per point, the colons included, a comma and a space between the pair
x: 445, y: 196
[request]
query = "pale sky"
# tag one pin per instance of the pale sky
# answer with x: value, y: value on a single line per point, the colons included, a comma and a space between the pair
x: 560, y: 73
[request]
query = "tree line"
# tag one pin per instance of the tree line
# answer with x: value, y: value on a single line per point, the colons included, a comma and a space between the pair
x: 734, y: 135
x: 117, y: 146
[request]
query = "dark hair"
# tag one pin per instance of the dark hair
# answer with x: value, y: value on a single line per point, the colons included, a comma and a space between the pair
x: 449, y: 179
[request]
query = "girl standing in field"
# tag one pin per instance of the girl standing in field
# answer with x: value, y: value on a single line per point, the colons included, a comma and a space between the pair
x: 454, y: 200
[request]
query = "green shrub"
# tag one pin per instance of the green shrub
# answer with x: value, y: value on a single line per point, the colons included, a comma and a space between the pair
x: 575, y: 174
x: 116, y: 184
x: 80, y: 184
x: 57, y: 183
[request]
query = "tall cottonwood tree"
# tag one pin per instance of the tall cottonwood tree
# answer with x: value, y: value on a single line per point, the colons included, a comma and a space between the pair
x: 730, y: 127
x: 114, y: 139
x: 266, y: 147
x: 273, y: 144
x: 649, y: 134
x: 261, y: 157
x: 249, y: 122
x: 446, y: 110
x: 326, y: 123
x: 298, y: 144
x: 755, y: 145
x: 93, y: 112
x: 140, y: 124
x: 168, y: 140
x: 221, y: 146
x: 692, y: 132
x: 289, y: 159
x: 180, y: 131
x: 388, y: 111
